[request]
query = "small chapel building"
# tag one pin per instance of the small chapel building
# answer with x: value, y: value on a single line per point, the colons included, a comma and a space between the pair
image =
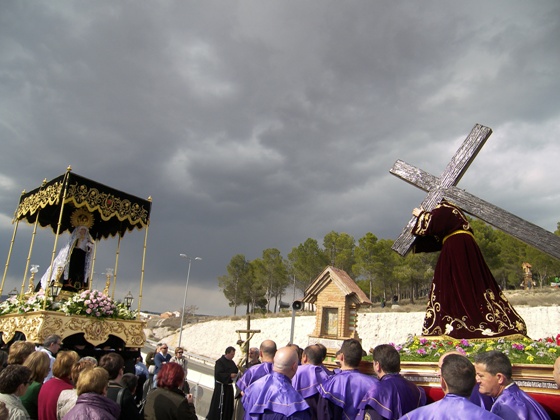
x: 337, y: 298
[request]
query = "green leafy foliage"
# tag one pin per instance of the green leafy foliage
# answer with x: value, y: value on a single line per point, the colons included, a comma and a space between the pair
x: 525, y: 350
x: 380, y: 272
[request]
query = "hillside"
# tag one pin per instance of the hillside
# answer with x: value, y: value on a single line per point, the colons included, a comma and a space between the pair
x: 209, y: 336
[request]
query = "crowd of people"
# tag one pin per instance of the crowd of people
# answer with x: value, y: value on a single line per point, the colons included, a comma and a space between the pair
x: 47, y: 383
x: 291, y: 383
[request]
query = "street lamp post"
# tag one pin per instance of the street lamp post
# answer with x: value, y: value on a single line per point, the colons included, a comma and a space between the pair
x: 186, y: 289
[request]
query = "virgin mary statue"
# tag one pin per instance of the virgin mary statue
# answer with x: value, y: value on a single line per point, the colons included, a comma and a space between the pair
x: 75, y: 258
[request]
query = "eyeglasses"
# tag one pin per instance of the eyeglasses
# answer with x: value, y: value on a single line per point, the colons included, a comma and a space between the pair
x: 179, y: 352
x: 164, y: 348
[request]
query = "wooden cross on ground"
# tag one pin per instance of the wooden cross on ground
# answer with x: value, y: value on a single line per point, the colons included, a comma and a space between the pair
x: 445, y: 188
x: 245, y: 345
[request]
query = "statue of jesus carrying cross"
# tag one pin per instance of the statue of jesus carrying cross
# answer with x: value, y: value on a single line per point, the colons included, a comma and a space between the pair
x: 465, y: 300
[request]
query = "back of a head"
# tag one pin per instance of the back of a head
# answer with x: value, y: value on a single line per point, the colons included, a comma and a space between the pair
x: 268, y: 350
x: 11, y: 377
x: 62, y: 366
x: 286, y: 361
x: 459, y: 374
x: 352, y: 351
x: 314, y: 354
x: 388, y: 358
x: 92, y: 379
x: 323, y: 349
x: 19, y: 351
x: 112, y: 363
x: 80, y: 366
x: 91, y: 359
x: 39, y: 363
x: 130, y: 381
x: 170, y: 376
x: 495, y: 362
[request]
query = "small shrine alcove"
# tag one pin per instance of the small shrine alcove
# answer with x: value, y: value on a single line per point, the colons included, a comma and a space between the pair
x: 337, y: 298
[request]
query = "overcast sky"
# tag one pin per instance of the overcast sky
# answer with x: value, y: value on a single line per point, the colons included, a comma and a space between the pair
x: 259, y: 124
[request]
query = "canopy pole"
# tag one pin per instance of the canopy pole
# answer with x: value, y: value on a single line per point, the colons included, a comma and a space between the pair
x: 142, y: 272
x: 9, y: 257
x: 29, y: 254
x: 116, y: 267
x: 64, y: 191
x: 93, y: 266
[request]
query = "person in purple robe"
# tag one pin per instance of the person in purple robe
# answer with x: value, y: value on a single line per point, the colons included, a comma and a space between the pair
x: 476, y: 397
x: 465, y: 300
x: 457, y: 381
x: 393, y: 396
x: 273, y: 397
x: 493, y: 373
x: 267, y: 351
x: 309, y: 375
x: 342, y: 392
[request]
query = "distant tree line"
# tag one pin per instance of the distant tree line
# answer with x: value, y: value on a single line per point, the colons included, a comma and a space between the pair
x: 260, y: 284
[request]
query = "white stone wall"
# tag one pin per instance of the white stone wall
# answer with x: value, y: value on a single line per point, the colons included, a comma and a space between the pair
x: 211, y: 338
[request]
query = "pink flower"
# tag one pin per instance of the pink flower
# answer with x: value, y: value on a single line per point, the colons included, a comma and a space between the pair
x: 88, y: 311
x: 461, y: 350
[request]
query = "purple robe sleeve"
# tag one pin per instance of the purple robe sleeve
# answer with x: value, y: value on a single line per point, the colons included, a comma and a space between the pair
x: 392, y: 397
x: 481, y: 400
x: 345, y: 390
x: 252, y: 374
x: 274, y: 393
x: 451, y: 407
x: 515, y: 404
x: 307, y: 379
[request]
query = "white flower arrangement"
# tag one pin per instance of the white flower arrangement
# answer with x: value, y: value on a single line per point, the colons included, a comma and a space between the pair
x: 96, y: 304
x: 29, y: 303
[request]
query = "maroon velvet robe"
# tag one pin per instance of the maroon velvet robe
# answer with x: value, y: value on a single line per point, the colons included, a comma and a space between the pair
x: 465, y: 300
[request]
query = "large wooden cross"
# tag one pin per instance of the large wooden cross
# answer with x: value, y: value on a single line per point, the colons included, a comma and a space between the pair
x: 245, y: 345
x: 444, y: 187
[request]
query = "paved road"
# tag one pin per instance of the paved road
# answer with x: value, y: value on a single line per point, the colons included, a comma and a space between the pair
x: 201, y: 381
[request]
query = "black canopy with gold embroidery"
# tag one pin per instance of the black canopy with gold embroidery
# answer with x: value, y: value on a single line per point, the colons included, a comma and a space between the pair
x: 114, y: 211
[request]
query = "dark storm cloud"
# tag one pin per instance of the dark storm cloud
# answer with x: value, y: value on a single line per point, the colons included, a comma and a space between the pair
x: 260, y: 124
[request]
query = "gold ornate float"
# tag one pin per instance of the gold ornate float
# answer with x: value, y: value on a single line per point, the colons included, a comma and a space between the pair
x: 36, y: 326
x: 70, y: 203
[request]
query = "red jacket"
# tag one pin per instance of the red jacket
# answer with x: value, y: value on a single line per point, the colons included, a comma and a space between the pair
x: 48, y: 397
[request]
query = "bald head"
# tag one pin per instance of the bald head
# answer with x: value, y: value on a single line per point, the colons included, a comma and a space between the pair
x: 286, y: 361
x: 268, y: 350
